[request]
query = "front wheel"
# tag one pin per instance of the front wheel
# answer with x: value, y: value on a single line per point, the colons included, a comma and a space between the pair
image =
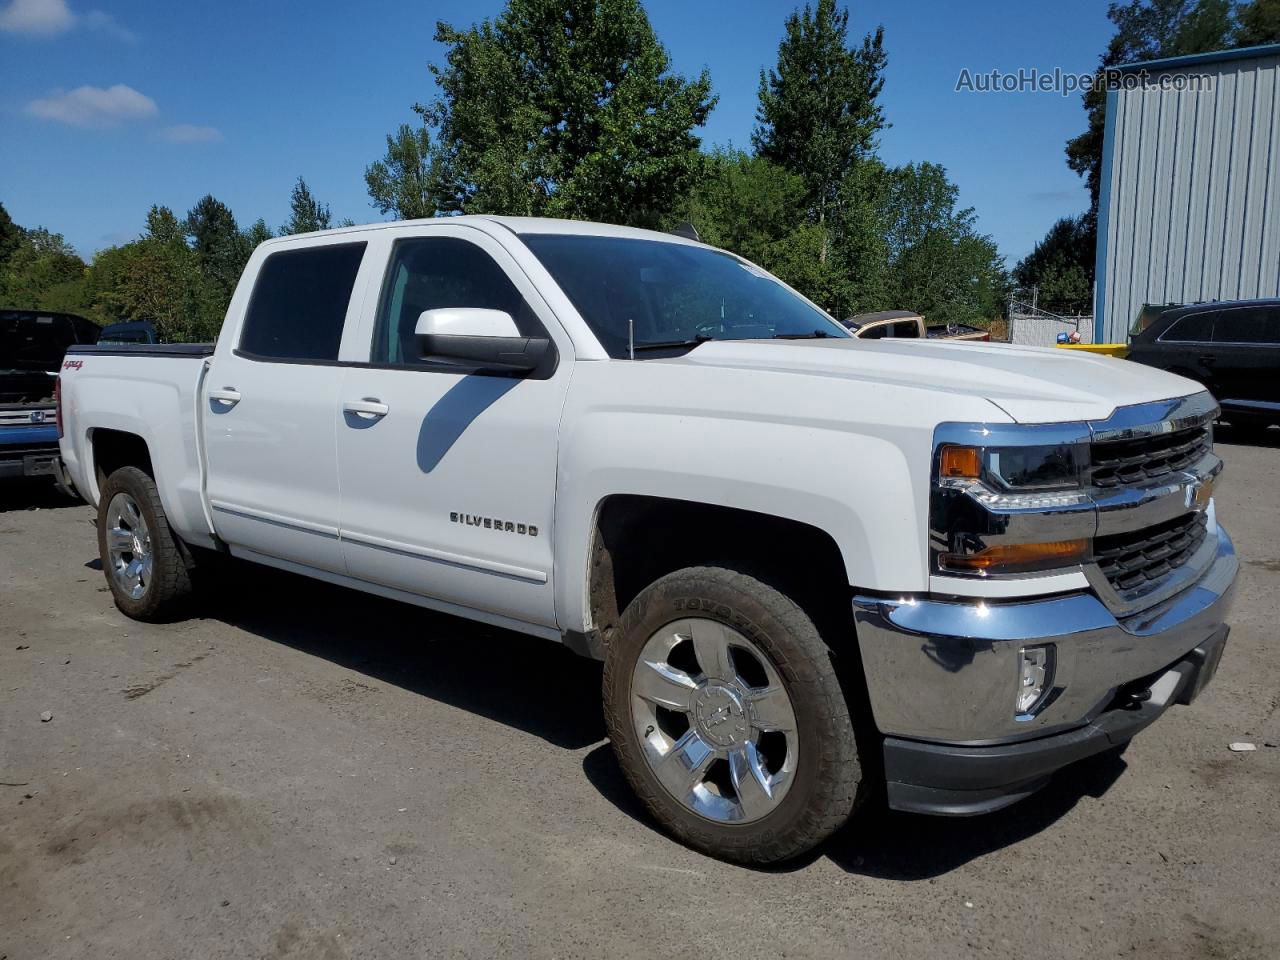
x: 140, y: 556
x: 727, y: 717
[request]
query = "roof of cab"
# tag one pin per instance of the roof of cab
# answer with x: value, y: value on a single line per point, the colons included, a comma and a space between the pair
x: 517, y: 225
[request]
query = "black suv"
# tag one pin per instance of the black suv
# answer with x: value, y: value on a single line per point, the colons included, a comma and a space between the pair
x: 1233, y: 348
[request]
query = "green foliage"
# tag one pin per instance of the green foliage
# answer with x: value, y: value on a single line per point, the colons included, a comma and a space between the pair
x: 42, y: 271
x: 254, y: 235
x: 163, y: 226
x: 306, y: 213
x: 938, y: 264
x: 745, y: 204
x: 867, y: 237
x: 564, y: 108
x: 220, y: 248
x: 401, y: 183
x: 1150, y: 30
x: 10, y: 236
x: 158, y: 278
x: 818, y: 113
x: 1257, y: 23
x: 1062, y: 267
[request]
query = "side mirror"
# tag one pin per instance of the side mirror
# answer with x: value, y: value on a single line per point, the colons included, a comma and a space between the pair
x: 485, y: 338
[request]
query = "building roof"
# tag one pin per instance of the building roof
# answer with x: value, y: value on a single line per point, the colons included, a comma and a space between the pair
x: 1196, y: 59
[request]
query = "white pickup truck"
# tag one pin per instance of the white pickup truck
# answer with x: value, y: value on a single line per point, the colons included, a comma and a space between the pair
x: 816, y: 568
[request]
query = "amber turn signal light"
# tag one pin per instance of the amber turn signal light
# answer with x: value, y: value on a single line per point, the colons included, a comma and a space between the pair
x: 965, y: 462
x: 1017, y: 557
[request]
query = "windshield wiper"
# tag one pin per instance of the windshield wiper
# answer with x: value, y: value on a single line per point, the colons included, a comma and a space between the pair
x: 818, y: 334
x: 673, y: 344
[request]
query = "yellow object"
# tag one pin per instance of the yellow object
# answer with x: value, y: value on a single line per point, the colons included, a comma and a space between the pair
x: 1016, y: 557
x: 961, y: 462
x: 1120, y: 350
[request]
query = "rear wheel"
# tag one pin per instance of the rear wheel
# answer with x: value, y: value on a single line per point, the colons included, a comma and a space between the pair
x: 141, y: 559
x: 727, y: 717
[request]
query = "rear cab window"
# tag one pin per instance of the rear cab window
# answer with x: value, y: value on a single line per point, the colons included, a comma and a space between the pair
x: 299, y: 303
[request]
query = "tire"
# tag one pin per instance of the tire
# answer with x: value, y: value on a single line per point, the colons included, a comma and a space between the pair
x: 788, y: 806
x: 130, y: 505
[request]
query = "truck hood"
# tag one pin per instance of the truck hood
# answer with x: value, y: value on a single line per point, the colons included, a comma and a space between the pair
x: 1030, y: 384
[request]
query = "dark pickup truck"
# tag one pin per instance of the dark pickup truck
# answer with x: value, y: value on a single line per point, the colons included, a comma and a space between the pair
x: 32, y: 344
x: 1232, y: 347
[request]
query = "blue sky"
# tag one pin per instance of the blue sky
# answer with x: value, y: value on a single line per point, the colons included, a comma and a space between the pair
x: 107, y: 107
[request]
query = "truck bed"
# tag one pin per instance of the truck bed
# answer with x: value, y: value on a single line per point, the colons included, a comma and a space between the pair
x: 157, y: 400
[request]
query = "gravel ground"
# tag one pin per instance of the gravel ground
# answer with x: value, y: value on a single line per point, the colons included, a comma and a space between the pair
x: 309, y: 772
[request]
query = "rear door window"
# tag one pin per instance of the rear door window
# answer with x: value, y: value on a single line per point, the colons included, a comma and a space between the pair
x: 299, y: 303
x: 1248, y: 325
x: 1193, y: 328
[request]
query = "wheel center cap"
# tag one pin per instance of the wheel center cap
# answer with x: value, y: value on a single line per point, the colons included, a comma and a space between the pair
x: 720, y: 715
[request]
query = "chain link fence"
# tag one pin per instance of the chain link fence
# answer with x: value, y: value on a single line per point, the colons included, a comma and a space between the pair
x: 1032, y: 327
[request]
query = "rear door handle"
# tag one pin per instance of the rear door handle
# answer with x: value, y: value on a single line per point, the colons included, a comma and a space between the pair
x: 1208, y: 361
x: 370, y: 408
x: 229, y: 396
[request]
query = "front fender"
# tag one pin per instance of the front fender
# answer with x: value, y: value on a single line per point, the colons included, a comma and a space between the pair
x: 864, y: 481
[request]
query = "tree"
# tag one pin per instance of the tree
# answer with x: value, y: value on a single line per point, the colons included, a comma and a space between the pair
x: 564, y: 108
x: 306, y: 213
x: 1145, y: 30
x: 1257, y: 23
x: 938, y: 263
x: 402, y: 182
x: 743, y: 203
x: 43, y: 271
x: 1061, y: 266
x: 163, y: 226
x: 10, y: 236
x: 818, y: 113
x: 258, y: 233
x: 217, y: 243
x: 158, y: 278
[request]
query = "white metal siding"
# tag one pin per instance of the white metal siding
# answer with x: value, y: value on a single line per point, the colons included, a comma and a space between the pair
x: 1193, y: 192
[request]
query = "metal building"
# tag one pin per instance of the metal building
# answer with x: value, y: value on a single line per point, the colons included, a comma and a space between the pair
x: 1189, y: 208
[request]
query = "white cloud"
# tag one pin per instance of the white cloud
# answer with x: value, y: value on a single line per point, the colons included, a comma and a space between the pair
x: 37, y: 17
x: 47, y: 18
x: 94, y: 106
x: 190, y: 133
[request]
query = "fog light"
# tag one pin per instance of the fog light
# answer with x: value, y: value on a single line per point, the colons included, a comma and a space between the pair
x: 1035, y: 677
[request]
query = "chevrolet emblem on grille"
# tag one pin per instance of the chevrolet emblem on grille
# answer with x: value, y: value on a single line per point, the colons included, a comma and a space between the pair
x: 1199, y: 493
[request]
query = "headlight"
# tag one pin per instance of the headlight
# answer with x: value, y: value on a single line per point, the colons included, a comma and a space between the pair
x: 1011, y: 508
x: 1052, y: 467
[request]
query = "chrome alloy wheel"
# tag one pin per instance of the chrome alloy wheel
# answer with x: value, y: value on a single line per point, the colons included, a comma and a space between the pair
x: 129, y: 546
x: 715, y: 724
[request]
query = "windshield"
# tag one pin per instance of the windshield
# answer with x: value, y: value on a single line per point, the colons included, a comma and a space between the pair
x: 672, y: 294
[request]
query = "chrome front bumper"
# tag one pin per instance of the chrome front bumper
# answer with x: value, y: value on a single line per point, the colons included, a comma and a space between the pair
x: 947, y: 671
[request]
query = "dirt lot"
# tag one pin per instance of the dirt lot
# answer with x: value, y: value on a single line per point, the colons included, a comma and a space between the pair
x: 309, y: 772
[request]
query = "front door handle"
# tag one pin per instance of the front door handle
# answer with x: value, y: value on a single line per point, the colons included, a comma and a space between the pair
x: 1208, y: 361
x: 369, y: 408
x: 228, y: 396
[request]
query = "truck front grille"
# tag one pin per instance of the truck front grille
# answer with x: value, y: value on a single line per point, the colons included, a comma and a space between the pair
x: 1119, y: 463
x: 1133, y: 561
